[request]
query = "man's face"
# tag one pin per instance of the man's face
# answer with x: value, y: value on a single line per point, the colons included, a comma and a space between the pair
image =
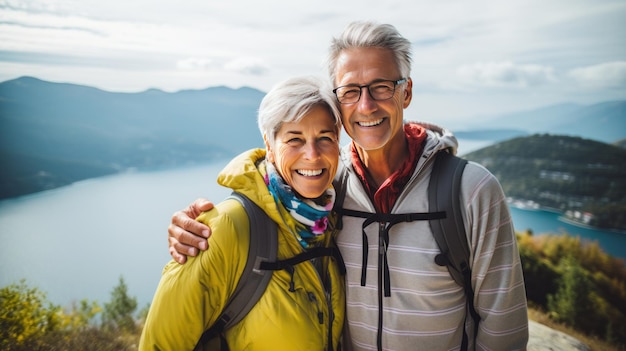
x: 372, y: 124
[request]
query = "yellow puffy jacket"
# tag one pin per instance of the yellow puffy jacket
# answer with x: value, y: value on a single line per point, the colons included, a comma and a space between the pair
x: 190, y: 297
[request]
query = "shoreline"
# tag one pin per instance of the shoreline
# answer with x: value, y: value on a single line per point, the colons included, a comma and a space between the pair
x: 530, y: 205
x: 587, y: 226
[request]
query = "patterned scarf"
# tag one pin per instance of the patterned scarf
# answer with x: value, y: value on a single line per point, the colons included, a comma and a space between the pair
x: 311, y: 215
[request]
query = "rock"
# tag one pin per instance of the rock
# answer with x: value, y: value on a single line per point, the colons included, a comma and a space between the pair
x: 544, y: 338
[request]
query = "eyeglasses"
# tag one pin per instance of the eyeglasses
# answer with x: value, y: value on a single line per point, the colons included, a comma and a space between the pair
x: 379, y: 91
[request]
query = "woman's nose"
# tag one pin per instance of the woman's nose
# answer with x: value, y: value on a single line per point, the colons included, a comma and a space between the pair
x: 311, y: 151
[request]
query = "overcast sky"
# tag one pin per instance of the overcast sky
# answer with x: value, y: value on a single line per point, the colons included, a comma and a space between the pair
x: 471, y: 57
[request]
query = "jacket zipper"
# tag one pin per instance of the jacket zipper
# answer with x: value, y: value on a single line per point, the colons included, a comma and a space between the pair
x: 329, y: 305
x: 381, y: 252
x: 331, y: 314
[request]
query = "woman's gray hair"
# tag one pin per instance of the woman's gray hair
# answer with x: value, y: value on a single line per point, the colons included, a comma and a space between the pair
x: 371, y: 35
x: 290, y: 100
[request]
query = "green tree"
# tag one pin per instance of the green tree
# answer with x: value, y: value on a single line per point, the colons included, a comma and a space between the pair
x: 118, y: 313
x: 572, y: 301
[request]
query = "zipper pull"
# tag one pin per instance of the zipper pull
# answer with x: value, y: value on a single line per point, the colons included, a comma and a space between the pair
x: 320, y: 314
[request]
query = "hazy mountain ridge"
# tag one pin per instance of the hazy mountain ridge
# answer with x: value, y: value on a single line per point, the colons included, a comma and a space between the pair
x: 605, y: 121
x: 53, y: 134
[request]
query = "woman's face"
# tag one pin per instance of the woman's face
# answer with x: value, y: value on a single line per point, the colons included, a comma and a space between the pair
x: 306, y: 153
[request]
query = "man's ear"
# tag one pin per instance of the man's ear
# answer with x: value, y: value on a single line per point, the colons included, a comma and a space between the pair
x: 270, y: 151
x: 408, y: 93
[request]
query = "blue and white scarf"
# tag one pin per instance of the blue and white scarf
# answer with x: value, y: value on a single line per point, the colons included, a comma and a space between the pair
x: 311, y: 215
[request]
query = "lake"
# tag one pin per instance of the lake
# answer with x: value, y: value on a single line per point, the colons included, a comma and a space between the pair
x: 75, y: 242
x: 542, y: 222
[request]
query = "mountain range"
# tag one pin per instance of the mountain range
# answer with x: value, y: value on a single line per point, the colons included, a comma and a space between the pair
x: 53, y: 134
x: 605, y: 121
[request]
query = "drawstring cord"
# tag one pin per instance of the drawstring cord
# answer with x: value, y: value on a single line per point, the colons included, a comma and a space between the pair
x: 386, y: 220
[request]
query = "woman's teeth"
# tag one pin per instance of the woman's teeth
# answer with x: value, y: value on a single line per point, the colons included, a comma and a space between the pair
x: 309, y: 172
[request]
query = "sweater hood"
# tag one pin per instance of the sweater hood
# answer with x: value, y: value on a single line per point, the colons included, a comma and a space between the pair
x: 439, y: 138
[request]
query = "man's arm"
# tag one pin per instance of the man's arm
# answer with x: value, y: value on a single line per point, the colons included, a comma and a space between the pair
x: 500, y: 295
x: 186, y: 235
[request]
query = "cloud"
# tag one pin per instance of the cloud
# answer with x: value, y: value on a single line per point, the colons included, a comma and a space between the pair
x: 459, y: 52
x: 29, y: 18
x: 506, y: 74
x: 248, y: 65
x: 430, y: 41
x: 194, y: 64
x: 611, y: 75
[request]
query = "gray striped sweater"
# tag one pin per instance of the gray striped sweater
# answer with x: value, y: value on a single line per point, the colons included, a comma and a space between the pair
x: 426, y: 309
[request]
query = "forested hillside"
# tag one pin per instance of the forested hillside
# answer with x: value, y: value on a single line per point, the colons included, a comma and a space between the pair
x: 584, y: 179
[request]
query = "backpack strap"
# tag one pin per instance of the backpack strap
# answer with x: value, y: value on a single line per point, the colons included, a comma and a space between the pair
x: 444, y: 195
x: 253, y: 280
x: 340, y: 186
x: 306, y: 256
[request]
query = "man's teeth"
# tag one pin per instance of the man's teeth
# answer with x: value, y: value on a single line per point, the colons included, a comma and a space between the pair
x: 371, y: 124
x: 310, y: 172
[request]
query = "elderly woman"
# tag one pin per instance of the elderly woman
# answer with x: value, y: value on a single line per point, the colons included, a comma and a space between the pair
x: 291, y: 180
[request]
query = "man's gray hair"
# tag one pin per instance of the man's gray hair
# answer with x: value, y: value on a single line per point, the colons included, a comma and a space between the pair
x: 371, y: 35
x: 290, y: 100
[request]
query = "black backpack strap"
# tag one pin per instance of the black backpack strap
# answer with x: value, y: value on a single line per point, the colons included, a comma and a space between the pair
x: 306, y: 256
x: 444, y: 191
x: 340, y: 186
x: 443, y: 195
x: 253, y: 281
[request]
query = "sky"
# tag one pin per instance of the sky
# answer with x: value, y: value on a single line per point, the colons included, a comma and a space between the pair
x: 471, y: 58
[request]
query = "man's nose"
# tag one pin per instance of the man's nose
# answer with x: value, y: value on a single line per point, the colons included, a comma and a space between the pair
x: 366, y: 101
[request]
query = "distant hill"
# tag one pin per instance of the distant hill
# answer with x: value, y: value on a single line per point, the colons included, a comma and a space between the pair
x: 572, y: 174
x: 53, y: 134
x: 494, y: 135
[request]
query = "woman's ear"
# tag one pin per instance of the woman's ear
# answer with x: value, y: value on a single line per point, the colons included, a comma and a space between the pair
x: 268, y: 148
